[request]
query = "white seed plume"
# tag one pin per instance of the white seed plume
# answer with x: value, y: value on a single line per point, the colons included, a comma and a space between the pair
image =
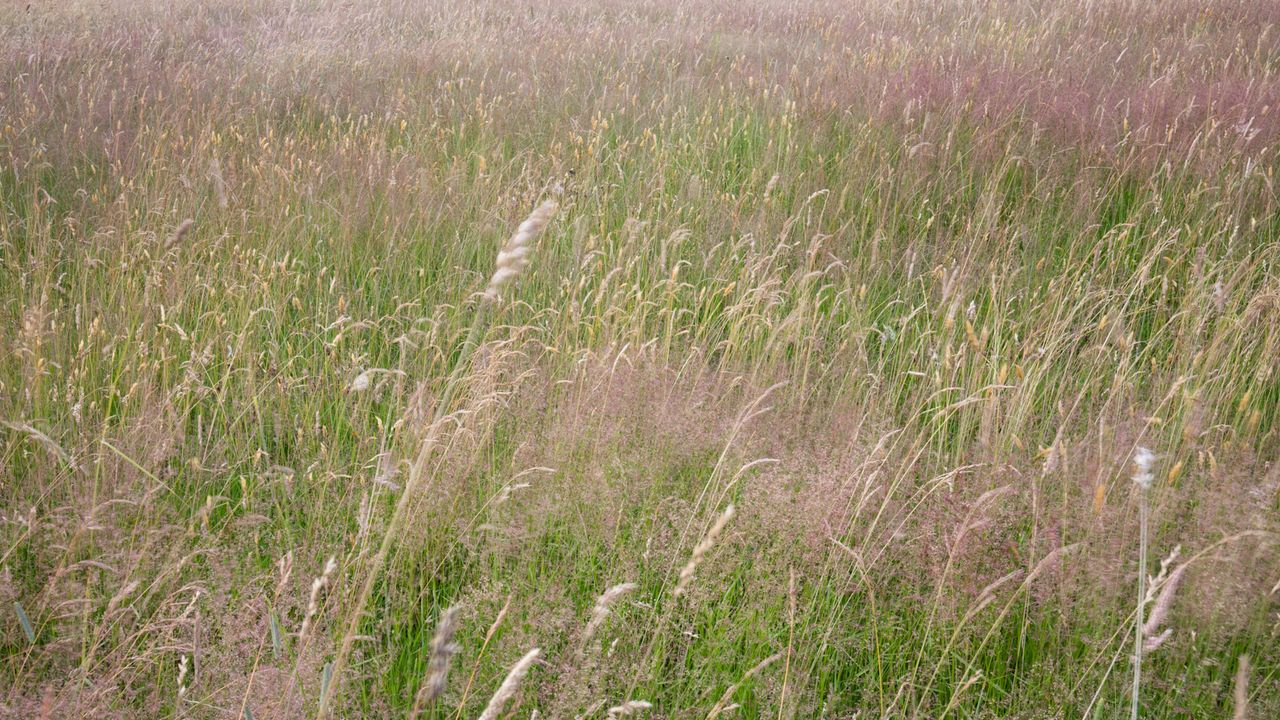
x: 601, y: 611
x: 514, y: 256
x: 769, y: 186
x: 630, y: 707
x: 362, y: 381
x: 1151, y: 643
x: 1160, y: 611
x: 183, y: 665
x: 686, y: 573
x: 1143, y: 460
x: 510, y: 685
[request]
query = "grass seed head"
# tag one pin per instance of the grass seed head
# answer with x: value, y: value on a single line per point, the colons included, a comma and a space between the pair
x: 699, y: 552
x: 510, y: 685
x: 513, y: 258
x: 443, y: 648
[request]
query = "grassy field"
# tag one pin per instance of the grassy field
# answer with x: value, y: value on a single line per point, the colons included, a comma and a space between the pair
x: 843, y: 360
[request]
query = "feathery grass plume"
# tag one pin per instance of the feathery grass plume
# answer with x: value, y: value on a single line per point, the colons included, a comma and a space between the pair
x: 1143, y: 461
x: 362, y: 381
x: 179, y: 232
x: 769, y: 186
x: 630, y: 707
x: 318, y: 587
x: 687, y: 572
x: 120, y: 597
x: 183, y: 666
x: 1153, y: 638
x: 601, y: 610
x: 488, y: 636
x: 1241, y: 711
x: 509, y: 685
x: 443, y: 648
x: 513, y: 258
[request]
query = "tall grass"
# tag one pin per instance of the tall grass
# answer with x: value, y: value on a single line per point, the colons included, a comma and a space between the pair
x: 819, y: 399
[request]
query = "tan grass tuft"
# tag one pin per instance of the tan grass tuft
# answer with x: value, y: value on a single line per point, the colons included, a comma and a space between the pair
x: 1241, y: 711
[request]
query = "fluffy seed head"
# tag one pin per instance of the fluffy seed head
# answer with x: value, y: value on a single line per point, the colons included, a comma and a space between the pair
x: 362, y: 381
x: 443, y: 648
x: 317, y: 589
x: 1160, y: 611
x: 509, y: 685
x: 179, y: 232
x: 630, y: 707
x: 1143, y: 461
x: 513, y: 258
x: 183, y: 666
x: 601, y: 611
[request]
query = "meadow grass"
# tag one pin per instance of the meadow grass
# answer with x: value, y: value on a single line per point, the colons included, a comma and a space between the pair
x: 812, y: 384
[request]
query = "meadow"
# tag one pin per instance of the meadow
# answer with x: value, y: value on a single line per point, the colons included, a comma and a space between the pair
x: 639, y: 358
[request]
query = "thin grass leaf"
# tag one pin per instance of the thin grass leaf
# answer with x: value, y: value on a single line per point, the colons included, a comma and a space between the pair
x: 25, y: 622
x: 277, y: 643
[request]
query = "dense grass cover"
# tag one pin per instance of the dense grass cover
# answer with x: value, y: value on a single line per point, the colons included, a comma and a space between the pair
x: 825, y: 346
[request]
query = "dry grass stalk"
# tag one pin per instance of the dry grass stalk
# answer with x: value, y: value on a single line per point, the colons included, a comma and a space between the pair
x: 722, y: 705
x: 1143, y: 461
